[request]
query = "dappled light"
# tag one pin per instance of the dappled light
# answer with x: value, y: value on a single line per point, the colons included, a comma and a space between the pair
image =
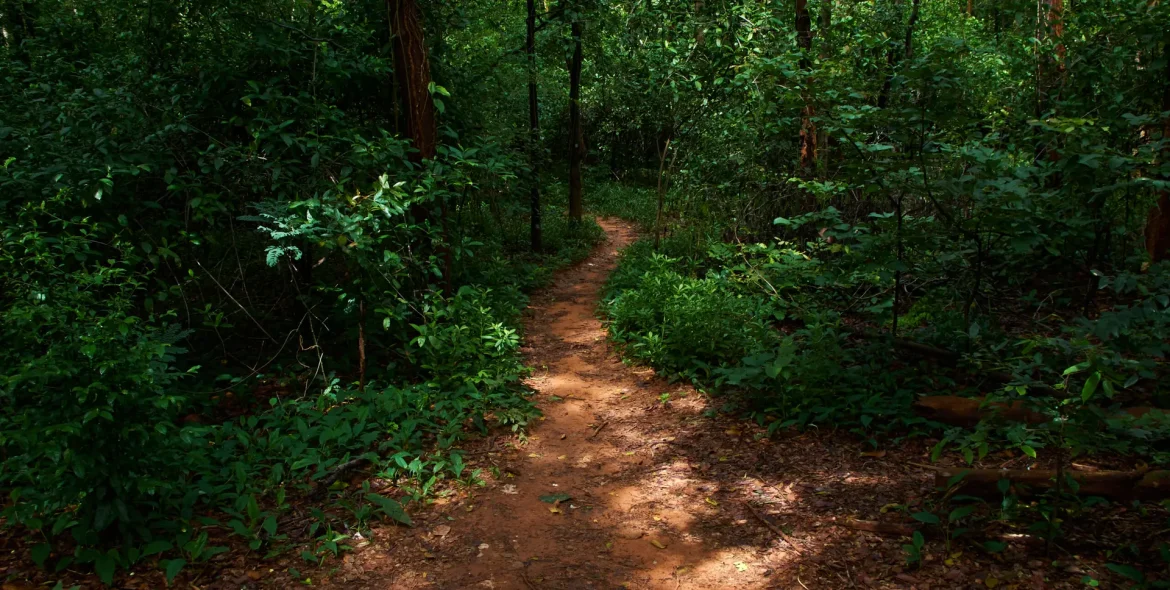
x: 560, y: 294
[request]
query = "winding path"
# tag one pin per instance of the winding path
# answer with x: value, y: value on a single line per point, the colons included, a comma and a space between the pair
x: 661, y: 491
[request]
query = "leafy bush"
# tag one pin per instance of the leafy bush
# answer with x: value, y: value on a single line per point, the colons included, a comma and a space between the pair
x: 683, y: 323
x: 88, y: 385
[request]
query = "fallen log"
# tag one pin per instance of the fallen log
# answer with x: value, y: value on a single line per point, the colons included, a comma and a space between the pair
x: 1117, y: 485
x: 968, y: 411
x: 881, y: 528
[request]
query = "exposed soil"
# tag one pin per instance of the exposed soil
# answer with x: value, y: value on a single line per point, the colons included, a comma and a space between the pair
x: 666, y: 493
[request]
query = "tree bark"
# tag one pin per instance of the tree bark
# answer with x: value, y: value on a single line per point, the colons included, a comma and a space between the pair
x: 413, y: 72
x: 825, y: 22
x: 661, y: 192
x: 808, y: 129
x: 18, y: 20
x: 909, y: 46
x: 576, y: 145
x: 1158, y: 222
x: 533, y: 127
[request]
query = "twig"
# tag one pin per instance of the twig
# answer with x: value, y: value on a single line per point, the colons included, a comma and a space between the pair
x: 925, y: 466
x: 242, y: 308
x: 887, y: 528
x: 596, y: 430
x: 775, y: 529
x: 337, y: 473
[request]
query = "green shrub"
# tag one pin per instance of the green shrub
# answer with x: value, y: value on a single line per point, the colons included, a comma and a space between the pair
x: 684, y: 323
x: 87, y: 429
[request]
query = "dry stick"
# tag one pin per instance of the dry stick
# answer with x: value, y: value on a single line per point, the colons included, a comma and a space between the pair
x: 884, y: 528
x: 775, y: 529
x: 242, y: 308
x: 598, y: 429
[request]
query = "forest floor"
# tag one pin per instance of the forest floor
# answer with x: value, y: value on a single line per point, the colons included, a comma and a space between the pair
x: 658, y: 490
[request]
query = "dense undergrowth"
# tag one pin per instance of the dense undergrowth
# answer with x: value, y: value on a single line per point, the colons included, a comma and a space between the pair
x: 247, y: 248
x: 777, y: 329
x: 227, y: 284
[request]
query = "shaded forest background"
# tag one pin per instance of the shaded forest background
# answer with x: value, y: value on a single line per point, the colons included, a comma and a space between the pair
x: 247, y: 248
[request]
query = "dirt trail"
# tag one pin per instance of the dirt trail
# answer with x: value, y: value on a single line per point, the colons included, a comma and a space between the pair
x: 632, y: 507
x: 664, y: 493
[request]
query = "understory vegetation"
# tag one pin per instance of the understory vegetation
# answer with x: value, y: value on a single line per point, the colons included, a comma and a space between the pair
x: 249, y: 249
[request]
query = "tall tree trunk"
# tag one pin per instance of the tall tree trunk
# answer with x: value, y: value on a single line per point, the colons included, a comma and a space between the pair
x: 825, y: 24
x: 576, y: 145
x: 533, y: 126
x: 413, y: 72
x: 661, y: 192
x: 1158, y: 222
x: 808, y: 130
x: 1049, y: 72
x: 891, y: 63
x: 909, y: 46
x: 18, y: 21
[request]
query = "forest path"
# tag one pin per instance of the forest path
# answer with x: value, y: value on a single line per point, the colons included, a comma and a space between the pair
x: 603, y: 442
x: 663, y: 493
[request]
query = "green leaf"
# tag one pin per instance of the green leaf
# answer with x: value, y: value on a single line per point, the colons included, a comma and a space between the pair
x: 1127, y: 571
x: 960, y: 513
x: 1029, y: 451
x: 172, y: 567
x: 390, y: 508
x: 925, y: 517
x: 105, y: 566
x: 40, y: 553
x: 156, y: 547
x: 994, y: 546
x: 1090, y: 386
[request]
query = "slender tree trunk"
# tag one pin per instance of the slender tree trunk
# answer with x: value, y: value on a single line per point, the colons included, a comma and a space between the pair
x: 413, y: 72
x: 362, y: 345
x: 826, y: 26
x: 661, y: 192
x: 533, y: 127
x: 19, y: 22
x: 909, y: 45
x: 1158, y: 222
x: 576, y: 145
x: 808, y: 129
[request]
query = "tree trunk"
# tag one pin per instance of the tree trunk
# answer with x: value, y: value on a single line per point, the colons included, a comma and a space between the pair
x: 825, y: 22
x: 910, y: 29
x: 413, y: 72
x: 661, y: 193
x: 1158, y: 222
x: 18, y: 20
x: 576, y: 145
x: 808, y: 129
x: 533, y: 126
